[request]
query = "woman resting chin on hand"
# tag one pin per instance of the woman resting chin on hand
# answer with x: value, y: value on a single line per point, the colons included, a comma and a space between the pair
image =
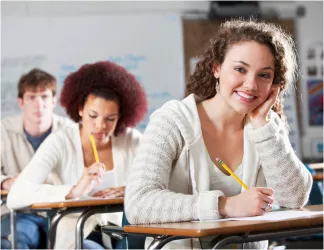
x: 234, y: 112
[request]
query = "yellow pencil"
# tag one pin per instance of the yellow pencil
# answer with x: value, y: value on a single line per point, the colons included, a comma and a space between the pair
x: 231, y: 173
x: 94, y: 148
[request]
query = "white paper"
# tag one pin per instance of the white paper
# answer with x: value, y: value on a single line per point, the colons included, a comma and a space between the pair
x: 82, y: 198
x: 275, y: 215
x: 85, y: 198
x: 107, y: 181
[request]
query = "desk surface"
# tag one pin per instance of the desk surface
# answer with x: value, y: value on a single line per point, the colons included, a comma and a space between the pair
x: 318, y: 177
x: 78, y: 203
x: 201, y: 229
x: 4, y: 192
x: 316, y: 166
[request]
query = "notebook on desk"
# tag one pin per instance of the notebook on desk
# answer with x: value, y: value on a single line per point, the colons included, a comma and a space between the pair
x: 274, y: 215
x: 85, y: 198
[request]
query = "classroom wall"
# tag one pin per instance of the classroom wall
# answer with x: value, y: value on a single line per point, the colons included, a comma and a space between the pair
x: 311, y: 136
x: 87, y: 7
x: 285, y: 9
x: 310, y: 35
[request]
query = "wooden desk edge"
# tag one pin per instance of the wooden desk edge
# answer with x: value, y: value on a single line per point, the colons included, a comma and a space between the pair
x: 266, y: 226
x: 240, y: 227
x: 316, y: 166
x: 4, y: 192
x: 318, y: 177
x: 77, y: 203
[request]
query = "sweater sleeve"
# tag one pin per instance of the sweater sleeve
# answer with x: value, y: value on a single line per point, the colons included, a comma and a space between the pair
x: 148, y: 199
x: 283, y: 171
x: 136, y: 137
x: 28, y: 187
x: 4, y: 138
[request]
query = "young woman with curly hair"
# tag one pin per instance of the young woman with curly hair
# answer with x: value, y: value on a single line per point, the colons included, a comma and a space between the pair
x: 233, y: 113
x: 105, y: 101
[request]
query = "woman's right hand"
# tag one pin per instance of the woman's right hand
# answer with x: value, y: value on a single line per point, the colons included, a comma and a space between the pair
x: 251, y: 202
x: 90, y: 176
x: 7, y: 183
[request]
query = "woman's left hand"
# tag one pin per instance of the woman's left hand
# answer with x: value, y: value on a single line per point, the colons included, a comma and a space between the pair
x: 258, y: 116
x: 116, y: 192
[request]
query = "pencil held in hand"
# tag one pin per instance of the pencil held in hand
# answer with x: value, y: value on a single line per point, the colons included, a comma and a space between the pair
x: 231, y: 173
x: 94, y: 148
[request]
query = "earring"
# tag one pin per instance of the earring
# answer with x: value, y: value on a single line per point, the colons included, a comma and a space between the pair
x: 217, y: 85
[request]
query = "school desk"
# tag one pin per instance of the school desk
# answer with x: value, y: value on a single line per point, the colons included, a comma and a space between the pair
x: 318, y: 177
x: 86, y: 207
x: 226, y: 232
x: 4, y: 194
x: 316, y: 166
x: 318, y: 171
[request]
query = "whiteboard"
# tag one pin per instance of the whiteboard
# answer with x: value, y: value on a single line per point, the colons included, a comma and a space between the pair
x: 148, y: 45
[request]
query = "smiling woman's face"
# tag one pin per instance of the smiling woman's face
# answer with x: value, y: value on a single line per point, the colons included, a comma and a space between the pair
x: 99, y: 117
x: 245, y: 76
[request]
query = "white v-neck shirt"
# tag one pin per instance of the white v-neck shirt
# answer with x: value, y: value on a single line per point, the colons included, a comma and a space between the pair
x: 226, y: 183
x: 220, y: 181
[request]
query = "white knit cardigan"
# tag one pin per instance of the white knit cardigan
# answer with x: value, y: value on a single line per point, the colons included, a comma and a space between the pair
x: 62, y: 154
x: 169, y: 179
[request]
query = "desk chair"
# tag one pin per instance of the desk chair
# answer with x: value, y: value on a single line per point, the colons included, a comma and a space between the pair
x: 124, y: 241
x: 316, y: 194
x: 130, y: 241
x: 315, y: 198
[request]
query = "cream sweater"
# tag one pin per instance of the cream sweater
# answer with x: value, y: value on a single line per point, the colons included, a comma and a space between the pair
x: 62, y: 154
x: 16, y: 151
x: 170, y: 182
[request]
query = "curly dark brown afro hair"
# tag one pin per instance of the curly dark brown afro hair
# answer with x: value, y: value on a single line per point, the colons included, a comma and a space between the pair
x: 105, y: 79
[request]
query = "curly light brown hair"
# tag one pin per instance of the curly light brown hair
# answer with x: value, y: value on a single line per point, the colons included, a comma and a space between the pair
x: 202, y: 82
x: 110, y: 81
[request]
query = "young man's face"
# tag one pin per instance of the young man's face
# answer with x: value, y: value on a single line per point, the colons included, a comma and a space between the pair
x: 37, y: 106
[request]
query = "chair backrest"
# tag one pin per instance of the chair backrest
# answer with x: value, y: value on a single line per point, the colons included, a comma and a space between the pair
x: 130, y: 241
x: 316, y: 194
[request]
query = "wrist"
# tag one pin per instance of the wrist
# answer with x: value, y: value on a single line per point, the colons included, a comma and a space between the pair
x: 5, y: 185
x: 222, y: 204
x: 72, y: 194
x: 258, y: 123
x: 82, y: 187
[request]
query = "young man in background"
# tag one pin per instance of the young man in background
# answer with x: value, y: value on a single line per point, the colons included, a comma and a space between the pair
x: 20, y: 137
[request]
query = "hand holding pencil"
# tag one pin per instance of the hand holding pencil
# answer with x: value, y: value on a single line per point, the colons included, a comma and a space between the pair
x: 97, y: 169
x: 254, y: 201
x: 91, y: 175
x: 94, y: 148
